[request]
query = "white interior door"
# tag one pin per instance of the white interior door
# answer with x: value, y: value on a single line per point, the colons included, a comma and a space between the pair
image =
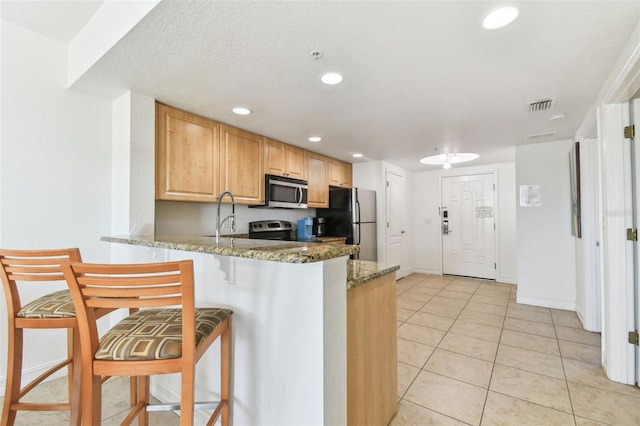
x: 395, y: 222
x: 468, y: 226
x: 634, y: 118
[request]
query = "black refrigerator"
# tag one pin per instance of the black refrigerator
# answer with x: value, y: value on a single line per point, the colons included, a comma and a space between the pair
x: 352, y: 214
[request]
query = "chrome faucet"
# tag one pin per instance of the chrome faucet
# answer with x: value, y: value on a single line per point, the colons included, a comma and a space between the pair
x: 231, y: 218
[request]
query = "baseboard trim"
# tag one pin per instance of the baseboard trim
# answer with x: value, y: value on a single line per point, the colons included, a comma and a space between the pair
x: 507, y: 280
x: 547, y: 303
x: 166, y: 394
x: 427, y: 271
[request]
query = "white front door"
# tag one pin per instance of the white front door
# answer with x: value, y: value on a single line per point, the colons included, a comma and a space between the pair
x: 468, y: 226
x: 395, y: 222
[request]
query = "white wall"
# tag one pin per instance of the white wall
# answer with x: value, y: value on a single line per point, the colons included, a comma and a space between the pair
x: 373, y: 175
x: 55, y: 169
x: 425, y: 224
x: 545, y: 246
x: 185, y: 218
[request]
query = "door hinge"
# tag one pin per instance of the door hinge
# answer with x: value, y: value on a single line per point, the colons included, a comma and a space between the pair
x: 494, y: 226
x: 632, y: 234
x: 634, y: 339
x: 495, y: 266
x: 630, y: 132
x: 387, y: 184
x: 387, y: 224
x: 494, y: 186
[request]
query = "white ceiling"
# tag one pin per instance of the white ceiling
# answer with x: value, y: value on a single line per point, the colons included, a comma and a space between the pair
x: 419, y: 75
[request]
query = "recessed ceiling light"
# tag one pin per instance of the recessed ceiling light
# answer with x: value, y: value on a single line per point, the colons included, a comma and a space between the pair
x: 331, y: 78
x: 242, y: 111
x: 315, y: 139
x: 357, y: 155
x: 500, y: 18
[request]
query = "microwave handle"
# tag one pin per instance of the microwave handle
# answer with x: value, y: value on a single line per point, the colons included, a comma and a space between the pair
x: 299, y: 195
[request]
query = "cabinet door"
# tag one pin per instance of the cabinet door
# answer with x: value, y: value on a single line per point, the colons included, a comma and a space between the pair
x: 294, y: 162
x: 347, y: 175
x: 242, y: 165
x: 318, y: 192
x: 284, y: 160
x: 274, y: 158
x: 335, y: 172
x: 340, y: 173
x: 187, y: 156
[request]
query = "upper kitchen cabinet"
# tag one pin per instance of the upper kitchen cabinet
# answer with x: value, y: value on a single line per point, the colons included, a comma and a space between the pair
x: 340, y: 173
x: 187, y: 163
x: 242, y: 165
x: 318, y: 191
x: 284, y: 160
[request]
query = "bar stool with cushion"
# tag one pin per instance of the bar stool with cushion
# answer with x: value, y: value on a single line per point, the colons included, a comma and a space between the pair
x: 21, y: 268
x: 167, y: 335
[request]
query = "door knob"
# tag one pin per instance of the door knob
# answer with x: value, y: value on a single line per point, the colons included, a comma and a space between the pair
x: 402, y: 232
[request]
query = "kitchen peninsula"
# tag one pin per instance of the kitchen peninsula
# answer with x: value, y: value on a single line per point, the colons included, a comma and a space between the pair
x: 314, y: 332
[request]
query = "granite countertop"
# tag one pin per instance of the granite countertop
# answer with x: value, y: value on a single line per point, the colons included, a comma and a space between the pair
x: 276, y: 251
x: 360, y: 271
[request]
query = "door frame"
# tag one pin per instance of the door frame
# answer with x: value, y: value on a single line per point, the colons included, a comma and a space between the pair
x: 496, y: 213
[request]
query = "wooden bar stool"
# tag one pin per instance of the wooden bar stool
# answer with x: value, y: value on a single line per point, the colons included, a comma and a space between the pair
x: 167, y: 335
x: 20, y: 268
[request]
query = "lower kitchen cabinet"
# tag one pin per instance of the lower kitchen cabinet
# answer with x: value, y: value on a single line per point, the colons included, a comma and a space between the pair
x: 372, y: 379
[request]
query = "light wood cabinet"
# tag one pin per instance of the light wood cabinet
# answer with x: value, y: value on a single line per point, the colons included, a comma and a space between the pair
x: 372, y: 379
x: 284, y: 160
x: 242, y: 165
x: 318, y: 192
x: 340, y: 173
x: 187, y: 149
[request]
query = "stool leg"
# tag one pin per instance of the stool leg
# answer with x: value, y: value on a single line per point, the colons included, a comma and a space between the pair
x: 14, y: 374
x: 143, y: 396
x: 91, y: 398
x: 225, y: 375
x: 75, y: 376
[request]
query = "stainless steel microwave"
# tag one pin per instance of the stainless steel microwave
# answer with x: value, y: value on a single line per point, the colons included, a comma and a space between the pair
x: 285, y: 192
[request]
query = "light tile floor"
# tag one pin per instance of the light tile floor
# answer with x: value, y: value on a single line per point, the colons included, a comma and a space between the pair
x: 115, y: 405
x: 469, y: 354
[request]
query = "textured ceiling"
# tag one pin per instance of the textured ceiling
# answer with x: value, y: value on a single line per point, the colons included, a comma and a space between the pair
x: 418, y: 75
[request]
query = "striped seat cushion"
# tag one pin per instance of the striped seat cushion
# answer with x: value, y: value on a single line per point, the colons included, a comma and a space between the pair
x: 53, y: 305
x: 156, y: 334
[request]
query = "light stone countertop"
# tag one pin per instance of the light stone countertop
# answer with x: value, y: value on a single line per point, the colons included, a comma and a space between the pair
x: 361, y: 271
x: 358, y: 271
x: 275, y: 251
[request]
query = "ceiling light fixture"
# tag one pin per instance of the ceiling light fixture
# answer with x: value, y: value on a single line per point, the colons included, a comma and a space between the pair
x: 315, y: 139
x: 448, y: 159
x: 331, y: 78
x: 500, y: 18
x: 242, y: 111
x: 357, y: 155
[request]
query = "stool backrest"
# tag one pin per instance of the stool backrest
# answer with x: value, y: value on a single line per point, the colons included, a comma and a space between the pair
x: 18, y: 266
x: 96, y: 287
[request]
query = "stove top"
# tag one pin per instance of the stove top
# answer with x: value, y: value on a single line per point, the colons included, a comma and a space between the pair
x: 271, y: 230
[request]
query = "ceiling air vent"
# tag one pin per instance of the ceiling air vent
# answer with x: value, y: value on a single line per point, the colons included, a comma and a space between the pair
x: 541, y: 135
x: 542, y: 105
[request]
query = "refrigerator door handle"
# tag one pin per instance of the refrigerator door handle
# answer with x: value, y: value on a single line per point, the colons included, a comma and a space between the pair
x: 357, y: 211
x: 358, y: 228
